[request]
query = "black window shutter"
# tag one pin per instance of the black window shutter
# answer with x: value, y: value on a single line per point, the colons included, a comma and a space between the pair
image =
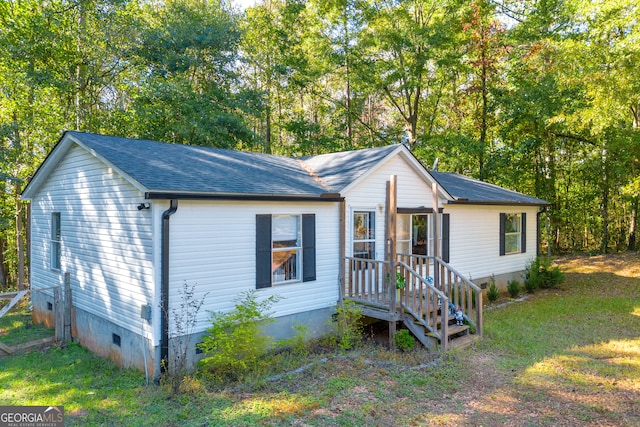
x: 445, y: 237
x: 308, y: 247
x: 503, y: 219
x: 523, y: 233
x: 263, y: 251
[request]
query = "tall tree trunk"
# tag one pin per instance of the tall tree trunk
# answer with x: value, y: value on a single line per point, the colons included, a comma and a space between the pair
x: 80, y: 66
x: 605, y: 204
x: 347, y: 77
x: 483, y: 117
x: 3, y: 274
x: 20, y: 242
x: 267, y: 125
x: 635, y: 111
x: 632, y: 224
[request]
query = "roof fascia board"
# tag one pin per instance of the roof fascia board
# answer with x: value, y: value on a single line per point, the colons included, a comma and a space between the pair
x: 371, y: 170
x: 422, y: 170
x: 413, y: 162
x: 181, y: 195
x: 59, y: 150
x: 494, y: 203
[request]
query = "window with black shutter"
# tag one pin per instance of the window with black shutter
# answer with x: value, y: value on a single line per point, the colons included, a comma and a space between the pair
x: 285, y: 249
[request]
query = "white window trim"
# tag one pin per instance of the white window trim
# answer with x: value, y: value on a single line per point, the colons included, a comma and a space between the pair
x: 297, y: 249
x: 56, y: 254
x: 518, y: 234
x: 372, y: 214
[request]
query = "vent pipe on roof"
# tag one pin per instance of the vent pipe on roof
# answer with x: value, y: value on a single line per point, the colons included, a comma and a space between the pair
x: 164, y: 296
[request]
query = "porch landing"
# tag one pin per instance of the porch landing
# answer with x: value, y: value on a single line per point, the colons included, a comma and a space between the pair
x: 423, y: 292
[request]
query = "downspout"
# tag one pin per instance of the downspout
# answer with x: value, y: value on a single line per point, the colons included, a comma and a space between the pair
x: 164, y: 286
x: 341, y: 252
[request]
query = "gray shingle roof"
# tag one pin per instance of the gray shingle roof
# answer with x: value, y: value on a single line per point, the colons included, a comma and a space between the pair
x: 338, y: 170
x: 469, y: 190
x: 184, y: 168
x: 167, y: 170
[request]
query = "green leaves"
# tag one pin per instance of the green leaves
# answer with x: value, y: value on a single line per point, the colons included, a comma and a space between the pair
x: 235, y: 341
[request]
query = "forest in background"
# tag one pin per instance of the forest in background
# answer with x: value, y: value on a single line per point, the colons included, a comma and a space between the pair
x: 539, y: 96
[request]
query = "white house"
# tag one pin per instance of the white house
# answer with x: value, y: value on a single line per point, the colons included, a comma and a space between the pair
x: 132, y: 221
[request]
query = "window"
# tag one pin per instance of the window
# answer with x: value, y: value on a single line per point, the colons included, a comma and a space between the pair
x: 286, y: 244
x: 512, y: 233
x: 364, y: 235
x: 285, y: 249
x: 55, y: 241
x: 415, y: 234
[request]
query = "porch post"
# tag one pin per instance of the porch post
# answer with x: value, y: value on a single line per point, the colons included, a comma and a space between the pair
x: 390, y: 227
x: 436, y: 235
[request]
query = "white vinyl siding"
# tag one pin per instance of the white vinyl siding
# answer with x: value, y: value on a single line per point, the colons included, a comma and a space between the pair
x: 107, y: 241
x: 475, y: 240
x: 213, y: 247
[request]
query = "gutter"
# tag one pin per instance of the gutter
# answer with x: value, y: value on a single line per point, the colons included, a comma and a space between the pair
x: 164, y: 195
x: 164, y: 286
x: 495, y: 203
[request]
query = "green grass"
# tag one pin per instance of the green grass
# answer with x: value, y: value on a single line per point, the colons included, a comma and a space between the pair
x: 16, y: 327
x: 563, y: 357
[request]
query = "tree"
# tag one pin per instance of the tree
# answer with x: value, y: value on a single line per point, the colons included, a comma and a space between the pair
x: 408, y: 50
x: 187, y: 90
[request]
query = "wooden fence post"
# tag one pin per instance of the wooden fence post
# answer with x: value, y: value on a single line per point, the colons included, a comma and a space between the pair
x: 58, y: 304
x: 62, y: 304
x: 67, y: 307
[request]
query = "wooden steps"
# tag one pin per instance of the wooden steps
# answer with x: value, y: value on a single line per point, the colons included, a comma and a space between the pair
x: 458, y: 336
x: 463, y: 341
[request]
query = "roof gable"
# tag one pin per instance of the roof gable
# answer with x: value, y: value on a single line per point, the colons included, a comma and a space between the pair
x: 337, y: 171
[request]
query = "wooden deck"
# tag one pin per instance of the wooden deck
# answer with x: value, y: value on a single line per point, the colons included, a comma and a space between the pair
x: 418, y: 291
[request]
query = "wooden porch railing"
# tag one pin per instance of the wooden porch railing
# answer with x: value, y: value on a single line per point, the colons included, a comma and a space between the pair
x: 366, y: 282
x: 458, y: 290
x: 419, y: 286
x: 420, y: 299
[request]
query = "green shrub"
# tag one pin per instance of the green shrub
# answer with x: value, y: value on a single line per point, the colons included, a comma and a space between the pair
x: 493, y: 293
x: 403, y: 340
x: 298, y: 343
x: 347, y: 327
x: 235, y: 342
x: 514, y: 288
x: 540, y: 273
x: 530, y: 285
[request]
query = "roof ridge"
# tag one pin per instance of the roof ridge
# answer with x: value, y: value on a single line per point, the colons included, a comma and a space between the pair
x: 313, y: 174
